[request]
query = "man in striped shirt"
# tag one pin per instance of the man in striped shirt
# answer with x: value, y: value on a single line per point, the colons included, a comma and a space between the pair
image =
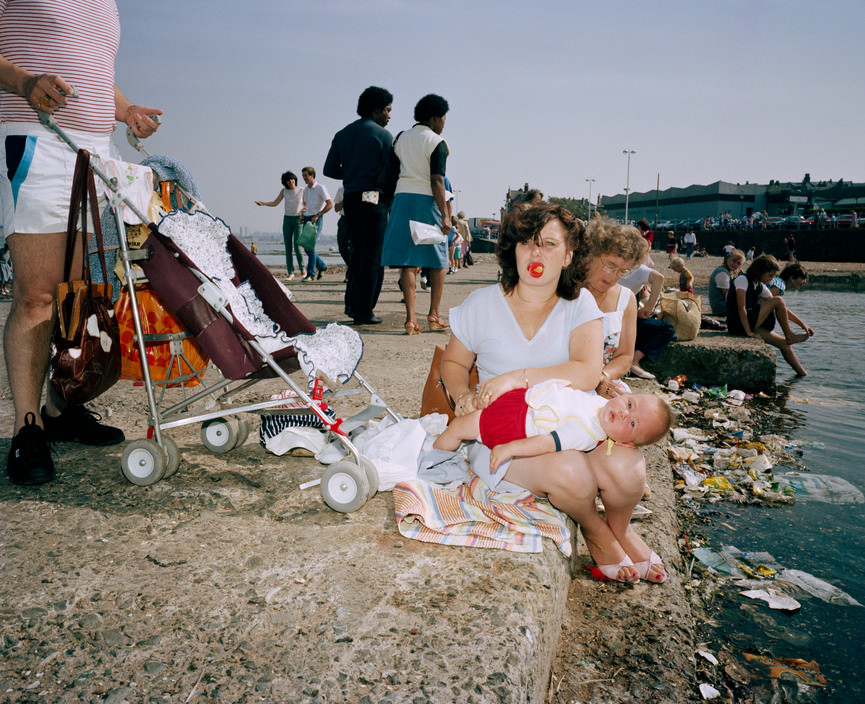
x: 46, y: 48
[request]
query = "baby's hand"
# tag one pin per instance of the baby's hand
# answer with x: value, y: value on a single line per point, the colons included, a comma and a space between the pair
x: 498, y: 456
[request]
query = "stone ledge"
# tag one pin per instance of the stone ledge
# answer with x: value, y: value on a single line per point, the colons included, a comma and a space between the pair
x: 715, y: 359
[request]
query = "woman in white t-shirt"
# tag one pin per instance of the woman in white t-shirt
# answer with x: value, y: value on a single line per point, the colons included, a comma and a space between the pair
x: 534, y: 326
x: 292, y: 196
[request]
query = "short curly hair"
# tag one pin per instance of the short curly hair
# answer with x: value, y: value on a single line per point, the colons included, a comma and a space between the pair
x: 524, y: 224
x: 606, y: 236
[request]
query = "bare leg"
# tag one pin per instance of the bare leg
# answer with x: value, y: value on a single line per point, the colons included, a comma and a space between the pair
x: 776, y: 304
x: 570, y: 485
x: 407, y: 283
x: 437, y: 284
x: 786, y: 350
x: 620, y: 478
x: 38, y: 263
x: 459, y: 430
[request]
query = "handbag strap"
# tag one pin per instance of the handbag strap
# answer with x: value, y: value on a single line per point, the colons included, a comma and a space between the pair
x: 83, y: 189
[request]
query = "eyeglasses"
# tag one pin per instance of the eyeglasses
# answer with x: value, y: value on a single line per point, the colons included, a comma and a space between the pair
x: 613, y: 269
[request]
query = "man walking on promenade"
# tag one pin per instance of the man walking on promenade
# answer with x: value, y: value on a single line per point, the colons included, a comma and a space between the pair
x: 690, y: 241
x: 360, y: 156
x: 316, y: 202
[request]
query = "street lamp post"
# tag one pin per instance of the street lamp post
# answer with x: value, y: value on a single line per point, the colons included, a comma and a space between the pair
x: 590, y: 181
x: 628, y: 152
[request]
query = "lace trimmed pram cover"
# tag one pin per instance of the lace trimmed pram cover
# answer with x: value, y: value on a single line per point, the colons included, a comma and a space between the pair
x: 203, y: 238
x: 334, y: 351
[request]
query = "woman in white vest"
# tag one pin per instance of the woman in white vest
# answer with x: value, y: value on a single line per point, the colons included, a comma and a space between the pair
x: 421, y: 153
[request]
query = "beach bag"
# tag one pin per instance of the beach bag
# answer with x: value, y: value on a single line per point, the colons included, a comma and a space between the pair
x: 85, y: 344
x: 156, y: 319
x: 683, y: 311
x: 436, y: 398
x: 308, y: 235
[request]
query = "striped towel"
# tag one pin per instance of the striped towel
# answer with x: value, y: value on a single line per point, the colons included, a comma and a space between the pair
x: 473, y: 515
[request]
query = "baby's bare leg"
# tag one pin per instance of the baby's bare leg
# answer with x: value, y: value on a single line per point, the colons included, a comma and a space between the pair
x: 461, y: 429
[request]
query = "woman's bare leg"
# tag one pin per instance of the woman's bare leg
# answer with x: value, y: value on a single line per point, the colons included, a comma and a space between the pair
x: 407, y: 280
x: 786, y: 350
x: 570, y: 485
x: 621, y: 476
x: 776, y: 305
x: 437, y: 284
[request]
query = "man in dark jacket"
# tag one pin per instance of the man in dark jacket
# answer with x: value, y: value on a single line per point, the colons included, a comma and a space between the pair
x: 359, y: 156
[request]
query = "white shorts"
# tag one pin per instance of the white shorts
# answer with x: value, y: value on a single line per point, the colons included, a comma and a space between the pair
x: 36, y: 170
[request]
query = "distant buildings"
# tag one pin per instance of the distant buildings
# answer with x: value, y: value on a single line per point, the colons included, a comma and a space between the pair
x: 734, y: 200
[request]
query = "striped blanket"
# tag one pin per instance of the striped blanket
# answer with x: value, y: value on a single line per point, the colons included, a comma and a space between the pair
x: 473, y: 515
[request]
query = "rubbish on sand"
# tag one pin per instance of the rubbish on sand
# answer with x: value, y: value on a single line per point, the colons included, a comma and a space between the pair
x: 821, y: 487
x: 709, y: 692
x: 776, y: 600
x: 751, y: 569
x: 804, y: 671
x: 708, y: 656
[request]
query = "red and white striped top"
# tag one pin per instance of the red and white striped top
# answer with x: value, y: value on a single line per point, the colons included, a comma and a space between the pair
x: 75, y: 39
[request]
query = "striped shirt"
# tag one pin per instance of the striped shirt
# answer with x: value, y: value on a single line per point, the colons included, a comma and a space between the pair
x: 74, y: 39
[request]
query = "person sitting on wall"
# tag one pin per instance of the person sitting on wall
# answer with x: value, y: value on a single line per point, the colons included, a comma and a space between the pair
x: 752, y: 310
x: 720, y: 278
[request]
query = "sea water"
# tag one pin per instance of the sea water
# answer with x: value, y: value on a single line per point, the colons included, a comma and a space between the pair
x: 824, y: 414
x: 272, y: 254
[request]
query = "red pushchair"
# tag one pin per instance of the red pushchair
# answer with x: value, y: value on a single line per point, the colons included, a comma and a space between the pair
x: 244, y: 320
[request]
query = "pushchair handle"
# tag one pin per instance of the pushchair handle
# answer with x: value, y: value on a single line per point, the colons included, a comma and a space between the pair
x: 134, y: 142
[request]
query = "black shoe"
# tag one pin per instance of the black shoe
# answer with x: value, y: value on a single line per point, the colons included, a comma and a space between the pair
x: 29, y: 461
x: 79, y: 424
x: 371, y: 320
x: 320, y: 272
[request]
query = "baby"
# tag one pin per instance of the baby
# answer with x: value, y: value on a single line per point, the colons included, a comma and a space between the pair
x: 553, y: 416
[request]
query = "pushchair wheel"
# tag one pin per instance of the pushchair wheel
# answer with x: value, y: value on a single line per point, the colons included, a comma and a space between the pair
x: 173, y: 455
x: 371, y: 476
x: 242, y: 431
x: 220, y: 435
x: 344, y: 487
x: 144, y: 462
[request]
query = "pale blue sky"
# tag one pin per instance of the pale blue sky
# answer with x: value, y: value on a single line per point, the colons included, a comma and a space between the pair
x: 548, y: 92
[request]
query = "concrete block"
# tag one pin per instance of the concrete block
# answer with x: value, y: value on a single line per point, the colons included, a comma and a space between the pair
x: 715, y: 359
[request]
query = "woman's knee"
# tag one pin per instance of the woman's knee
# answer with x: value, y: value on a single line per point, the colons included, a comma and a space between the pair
x: 624, y: 471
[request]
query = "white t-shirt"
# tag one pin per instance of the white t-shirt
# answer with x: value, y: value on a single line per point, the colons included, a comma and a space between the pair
x: 293, y: 201
x: 485, y: 324
x: 741, y: 283
x: 637, y: 278
x: 722, y: 279
x: 315, y: 196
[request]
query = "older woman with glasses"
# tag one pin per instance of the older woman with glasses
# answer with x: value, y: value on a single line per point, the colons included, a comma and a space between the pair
x: 615, y: 250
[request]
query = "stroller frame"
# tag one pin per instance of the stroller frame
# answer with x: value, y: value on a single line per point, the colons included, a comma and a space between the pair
x: 345, y: 485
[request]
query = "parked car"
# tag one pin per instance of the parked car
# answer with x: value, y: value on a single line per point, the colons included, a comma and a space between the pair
x: 773, y: 222
x: 843, y: 221
x: 665, y: 225
x: 796, y: 221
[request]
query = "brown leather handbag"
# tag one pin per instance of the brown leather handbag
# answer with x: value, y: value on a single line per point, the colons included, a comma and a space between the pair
x: 436, y: 398
x: 85, y: 345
